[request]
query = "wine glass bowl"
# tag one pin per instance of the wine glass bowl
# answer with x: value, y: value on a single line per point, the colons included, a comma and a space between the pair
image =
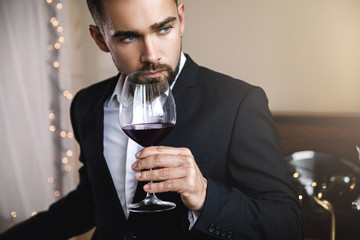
x: 147, y: 115
x: 325, y: 184
x: 326, y: 177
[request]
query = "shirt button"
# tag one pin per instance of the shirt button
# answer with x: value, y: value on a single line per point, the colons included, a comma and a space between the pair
x: 211, y: 228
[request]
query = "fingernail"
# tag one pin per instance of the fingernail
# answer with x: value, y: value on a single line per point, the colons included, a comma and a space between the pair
x: 146, y: 186
x: 138, y: 154
x: 137, y: 175
x: 134, y: 165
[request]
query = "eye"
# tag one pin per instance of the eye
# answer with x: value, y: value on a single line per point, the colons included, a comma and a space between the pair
x: 129, y: 38
x: 165, y: 30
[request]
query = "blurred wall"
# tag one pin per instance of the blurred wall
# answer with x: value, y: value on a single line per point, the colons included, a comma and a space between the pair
x: 305, y: 54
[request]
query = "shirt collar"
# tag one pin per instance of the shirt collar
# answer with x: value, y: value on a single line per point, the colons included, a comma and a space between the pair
x: 117, y: 90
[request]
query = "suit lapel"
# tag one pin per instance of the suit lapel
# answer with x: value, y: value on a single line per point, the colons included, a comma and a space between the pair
x: 184, y: 86
x: 99, y: 133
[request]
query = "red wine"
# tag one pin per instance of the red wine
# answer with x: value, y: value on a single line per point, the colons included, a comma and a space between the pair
x: 148, y: 134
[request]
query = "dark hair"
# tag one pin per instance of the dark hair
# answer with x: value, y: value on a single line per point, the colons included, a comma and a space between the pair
x: 97, y: 11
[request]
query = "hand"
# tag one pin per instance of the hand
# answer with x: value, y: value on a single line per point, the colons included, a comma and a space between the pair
x: 176, y: 170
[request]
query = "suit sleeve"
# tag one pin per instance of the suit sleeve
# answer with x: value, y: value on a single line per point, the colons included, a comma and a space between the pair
x: 69, y: 216
x: 258, y: 201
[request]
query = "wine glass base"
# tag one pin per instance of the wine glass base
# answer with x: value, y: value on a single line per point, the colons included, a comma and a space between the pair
x: 151, y: 204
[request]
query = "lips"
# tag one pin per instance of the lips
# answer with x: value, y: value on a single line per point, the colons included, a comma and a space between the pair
x: 153, y: 74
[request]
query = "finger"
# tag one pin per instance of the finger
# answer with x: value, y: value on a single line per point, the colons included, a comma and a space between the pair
x: 162, y: 150
x: 183, y: 186
x: 165, y: 186
x: 162, y: 174
x: 162, y: 161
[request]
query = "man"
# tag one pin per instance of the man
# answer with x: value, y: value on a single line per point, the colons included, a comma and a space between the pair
x: 222, y: 163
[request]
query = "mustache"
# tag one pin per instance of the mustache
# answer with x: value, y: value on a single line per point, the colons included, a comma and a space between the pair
x: 163, y: 67
x: 153, y: 67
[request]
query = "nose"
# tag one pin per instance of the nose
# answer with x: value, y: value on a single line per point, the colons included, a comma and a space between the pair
x: 150, y: 53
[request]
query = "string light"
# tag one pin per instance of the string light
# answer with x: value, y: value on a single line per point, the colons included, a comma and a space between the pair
x: 50, y: 47
x: 57, y: 193
x: 56, y: 64
x: 52, y: 128
x: 69, y: 153
x: 56, y: 44
x: 13, y: 214
x: 55, y: 23
x: 67, y: 168
x: 62, y: 134
x: 319, y: 195
x: 59, y: 6
x: 296, y: 175
x: 64, y: 160
x: 57, y: 40
x: 51, y: 116
x: 70, y: 135
x: 67, y: 94
x: 50, y: 180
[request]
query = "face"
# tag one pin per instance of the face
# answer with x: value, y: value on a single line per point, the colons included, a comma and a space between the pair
x: 142, y: 34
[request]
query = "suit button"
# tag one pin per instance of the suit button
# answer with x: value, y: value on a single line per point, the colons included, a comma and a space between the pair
x: 217, y: 231
x: 211, y: 228
x: 223, y: 234
x: 229, y: 235
x: 130, y: 235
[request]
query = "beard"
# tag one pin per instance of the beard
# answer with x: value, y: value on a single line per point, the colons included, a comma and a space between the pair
x: 158, y: 66
x: 164, y: 67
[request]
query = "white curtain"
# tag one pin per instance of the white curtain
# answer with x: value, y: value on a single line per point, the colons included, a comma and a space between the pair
x: 36, y: 166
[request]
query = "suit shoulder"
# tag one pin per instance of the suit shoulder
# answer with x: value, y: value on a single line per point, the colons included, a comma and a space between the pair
x: 99, y: 86
x: 222, y: 82
x: 92, y: 95
x: 96, y: 91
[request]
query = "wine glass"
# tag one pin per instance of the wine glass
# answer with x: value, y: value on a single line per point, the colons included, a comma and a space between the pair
x: 147, y: 115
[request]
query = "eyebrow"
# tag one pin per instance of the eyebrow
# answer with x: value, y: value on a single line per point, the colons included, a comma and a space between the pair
x: 120, y: 34
x: 161, y: 24
x: 155, y: 26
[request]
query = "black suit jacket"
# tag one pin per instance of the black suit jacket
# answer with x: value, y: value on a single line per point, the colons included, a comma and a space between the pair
x: 228, y: 127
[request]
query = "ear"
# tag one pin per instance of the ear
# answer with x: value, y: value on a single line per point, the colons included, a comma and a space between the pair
x: 181, y: 12
x: 98, y: 38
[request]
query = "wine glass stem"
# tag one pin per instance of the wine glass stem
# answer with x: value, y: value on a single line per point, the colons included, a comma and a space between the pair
x: 150, y: 195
